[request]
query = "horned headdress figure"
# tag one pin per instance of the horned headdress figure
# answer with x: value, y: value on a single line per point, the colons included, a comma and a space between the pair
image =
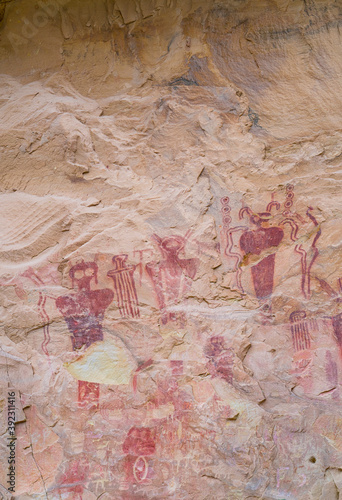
x: 171, y: 277
x: 261, y: 237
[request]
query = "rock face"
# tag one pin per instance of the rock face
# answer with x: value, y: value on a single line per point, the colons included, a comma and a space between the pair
x: 171, y: 293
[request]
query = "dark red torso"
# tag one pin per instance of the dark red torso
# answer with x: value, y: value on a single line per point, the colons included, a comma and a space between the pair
x: 83, y: 312
x: 255, y: 242
x: 258, y: 240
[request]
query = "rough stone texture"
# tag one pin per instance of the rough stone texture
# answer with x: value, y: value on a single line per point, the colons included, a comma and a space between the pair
x: 171, y: 320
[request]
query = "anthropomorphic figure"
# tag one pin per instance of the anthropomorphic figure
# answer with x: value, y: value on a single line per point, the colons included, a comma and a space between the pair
x: 336, y: 297
x: 83, y: 312
x: 256, y: 241
x: 301, y: 341
x: 172, y: 276
x: 124, y: 285
x: 220, y: 358
x: 315, y: 368
x: 138, y: 446
x: 263, y: 235
x: 72, y: 482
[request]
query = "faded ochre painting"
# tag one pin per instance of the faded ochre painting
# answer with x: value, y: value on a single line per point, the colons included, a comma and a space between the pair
x: 170, y: 245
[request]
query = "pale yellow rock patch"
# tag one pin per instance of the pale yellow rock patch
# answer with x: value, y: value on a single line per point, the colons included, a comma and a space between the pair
x: 105, y: 362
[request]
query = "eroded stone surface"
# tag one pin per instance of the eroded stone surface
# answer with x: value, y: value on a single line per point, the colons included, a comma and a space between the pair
x: 170, y: 248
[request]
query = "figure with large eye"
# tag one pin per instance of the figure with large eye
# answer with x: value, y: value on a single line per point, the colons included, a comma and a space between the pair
x: 139, y: 446
x: 83, y: 312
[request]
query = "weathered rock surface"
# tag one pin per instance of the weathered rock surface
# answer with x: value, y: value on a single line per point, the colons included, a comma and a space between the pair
x: 170, y: 251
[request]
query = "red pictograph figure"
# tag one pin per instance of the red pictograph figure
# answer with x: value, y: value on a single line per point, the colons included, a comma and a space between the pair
x: 32, y: 275
x: 306, y: 266
x: 331, y: 372
x: 302, y: 354
x: 172, y: 276
x: 229, y: 241
x: 83, y: 312
x: 221, y: 358
x: 139, y: 445
x: 299, y: 331
x: 140, y: 266
x: 337, y: 319
x: 337, y: 326
x: 265, y: 232
x: 253, y: 241
x: 290, y: 219
x: 88, y: 393
x: 314, y: 350
x: 124, y: 286
x: 72, y: 482
x: 256, y: 241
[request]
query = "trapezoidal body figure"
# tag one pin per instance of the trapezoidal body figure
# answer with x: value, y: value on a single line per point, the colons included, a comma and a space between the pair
x: 172, y: 276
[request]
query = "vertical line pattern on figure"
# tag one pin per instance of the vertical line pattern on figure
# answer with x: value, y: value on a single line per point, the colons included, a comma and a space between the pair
x: 295, y: 337
x: 127, y: 298
x: 300, y: 332
x: 124, y: 287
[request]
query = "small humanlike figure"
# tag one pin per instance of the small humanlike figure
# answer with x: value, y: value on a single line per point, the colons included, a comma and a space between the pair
x: 220, y: 358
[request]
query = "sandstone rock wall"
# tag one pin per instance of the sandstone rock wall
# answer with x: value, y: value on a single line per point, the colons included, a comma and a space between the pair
x: 170, y: 251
